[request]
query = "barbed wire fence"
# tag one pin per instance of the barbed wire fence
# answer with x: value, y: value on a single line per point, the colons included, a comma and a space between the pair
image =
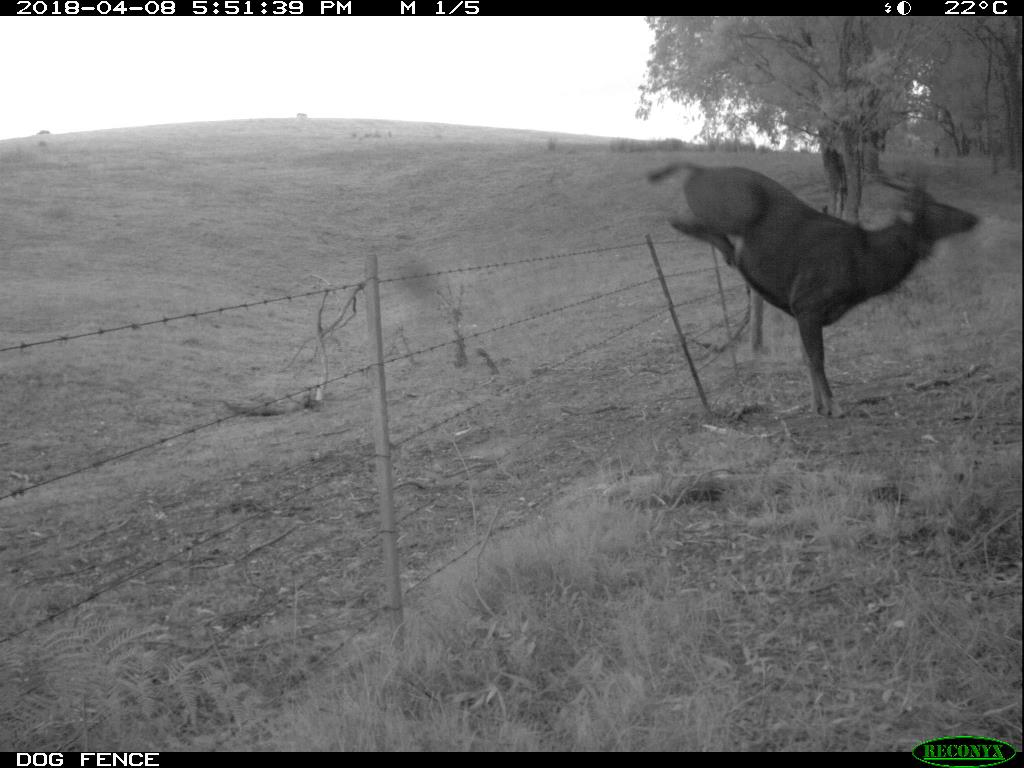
x: 166, y: 320
x: 384, y: 441
x: 209, y: 546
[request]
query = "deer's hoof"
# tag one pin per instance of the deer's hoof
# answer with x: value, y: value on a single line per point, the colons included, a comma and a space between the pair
x: 830, y: 409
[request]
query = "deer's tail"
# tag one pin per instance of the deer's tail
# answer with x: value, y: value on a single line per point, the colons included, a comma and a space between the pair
x: 668, y: 170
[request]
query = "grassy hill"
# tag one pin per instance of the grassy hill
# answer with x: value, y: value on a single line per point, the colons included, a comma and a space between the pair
x: 591, y: 561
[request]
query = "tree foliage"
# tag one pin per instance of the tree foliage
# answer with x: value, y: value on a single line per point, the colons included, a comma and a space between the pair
x: 844, y: 82
x: 972, y: 87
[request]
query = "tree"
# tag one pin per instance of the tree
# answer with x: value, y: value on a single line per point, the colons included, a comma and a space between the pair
x: 999, y: 40
x: 841, y: 81
x: 1003, y: 37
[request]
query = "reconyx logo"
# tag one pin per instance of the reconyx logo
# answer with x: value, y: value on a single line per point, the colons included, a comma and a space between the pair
x: 973, y: 751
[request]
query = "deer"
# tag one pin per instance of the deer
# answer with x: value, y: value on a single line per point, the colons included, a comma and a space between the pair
x: 812, y: 266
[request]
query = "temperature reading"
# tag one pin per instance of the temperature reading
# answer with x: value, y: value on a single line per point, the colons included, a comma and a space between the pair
x: 970, y: 8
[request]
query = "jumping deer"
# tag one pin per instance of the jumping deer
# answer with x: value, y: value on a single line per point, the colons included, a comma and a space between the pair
x: 810, y: 265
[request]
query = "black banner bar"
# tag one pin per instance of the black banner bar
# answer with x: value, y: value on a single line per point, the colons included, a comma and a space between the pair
x: 334, y: 8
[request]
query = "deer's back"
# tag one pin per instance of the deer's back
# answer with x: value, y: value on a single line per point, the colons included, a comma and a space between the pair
x: 742, y: 202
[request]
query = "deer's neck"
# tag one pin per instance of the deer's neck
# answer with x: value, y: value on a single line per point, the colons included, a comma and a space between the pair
x: 891, y: 254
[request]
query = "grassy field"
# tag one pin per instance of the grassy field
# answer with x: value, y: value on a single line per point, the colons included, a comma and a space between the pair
x: 590, y: 560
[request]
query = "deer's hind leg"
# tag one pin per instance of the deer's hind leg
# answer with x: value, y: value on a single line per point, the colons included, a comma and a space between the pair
x: 813, y: 348
x: 716, y: 239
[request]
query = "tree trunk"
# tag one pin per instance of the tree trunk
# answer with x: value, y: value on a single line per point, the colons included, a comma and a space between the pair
x: 835, y: 177
x: 853, y: 160
x: 1011, y: 85
x: 1011, y: 51
x: 873, y: 150
x: 871, y: 159
x: 853, y: 51
x: 986, y: 109
x: 1003, y: 46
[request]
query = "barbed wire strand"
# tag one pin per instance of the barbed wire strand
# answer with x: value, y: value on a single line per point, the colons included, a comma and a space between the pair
x: 444, y: 566
x: 280, y: 475
x: 174, y: 318
x: 134, y: 326
x: 545, y: 366
x: 263, y: 512
x: 520, y: 321
x: 703, y: 297
x: 183, y: 433
x: 516, y: 263
x: 566, y: 359
x: 504, y: 457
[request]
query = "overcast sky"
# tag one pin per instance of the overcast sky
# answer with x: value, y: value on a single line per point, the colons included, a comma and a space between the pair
x: 573, y: 74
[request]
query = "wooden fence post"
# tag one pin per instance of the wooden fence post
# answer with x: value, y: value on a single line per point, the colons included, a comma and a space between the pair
x: 675, y: 322
x: 382, y: 442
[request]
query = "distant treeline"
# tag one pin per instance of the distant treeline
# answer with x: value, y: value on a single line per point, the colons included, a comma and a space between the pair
x: 661, y: 145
